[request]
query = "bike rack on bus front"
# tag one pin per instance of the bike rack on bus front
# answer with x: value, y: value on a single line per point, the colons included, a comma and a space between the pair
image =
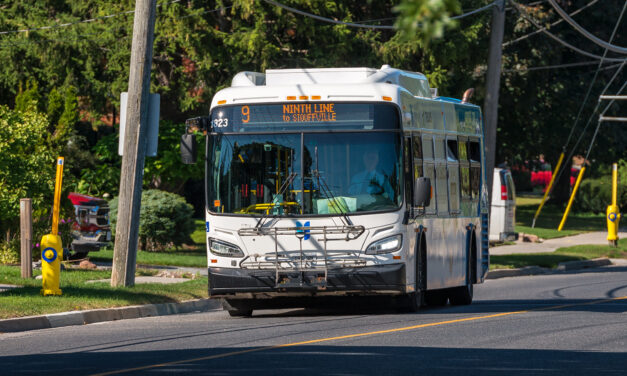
x: 297, y: 261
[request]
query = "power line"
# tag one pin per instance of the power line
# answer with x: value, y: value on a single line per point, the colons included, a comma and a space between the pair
x: 207, y: 11
x: 555, y: 38
x: 529, y: 69
x: 620, y: 17
x: 329, y: 20
x: 586, y: 33
x: 572, y: 152
x: 551, y: 25
x: 599, y: 122
x: 474, y: 11
x: 361, y: 25
x: 79, y: 22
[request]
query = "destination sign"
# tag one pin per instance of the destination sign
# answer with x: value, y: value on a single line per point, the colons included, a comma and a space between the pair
x: 294, y: 116
x: 305, y: 112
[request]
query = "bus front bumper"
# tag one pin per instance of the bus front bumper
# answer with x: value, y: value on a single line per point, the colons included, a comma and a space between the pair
x: 388, y: 278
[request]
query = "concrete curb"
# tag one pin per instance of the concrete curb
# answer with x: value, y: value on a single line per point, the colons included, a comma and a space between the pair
x: 561, y: 267
x: 57, y: 320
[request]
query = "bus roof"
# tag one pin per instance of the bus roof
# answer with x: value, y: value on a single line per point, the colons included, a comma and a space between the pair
x: 324, y: 84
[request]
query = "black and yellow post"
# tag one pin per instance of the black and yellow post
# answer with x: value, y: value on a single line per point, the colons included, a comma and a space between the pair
x: 613, y: 212
x: 51, y: 247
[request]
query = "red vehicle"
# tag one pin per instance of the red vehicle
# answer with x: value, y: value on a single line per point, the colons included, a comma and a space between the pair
x: 91, y: 230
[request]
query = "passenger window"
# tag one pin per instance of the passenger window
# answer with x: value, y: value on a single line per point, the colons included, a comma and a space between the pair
x: 441, y: 188
x: 475, y: 152
x: 417, y: 150
x: 475, y: 169
x: 452, y: 166
x: 464, y: 169
x: 451, y: 150
x: 439, y: 148
x: 427, y: 147
x: 417, y: 147
x: 429, y: 171
x: 463, y: 155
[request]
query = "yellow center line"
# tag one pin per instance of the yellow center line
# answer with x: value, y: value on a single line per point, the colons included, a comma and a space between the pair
x: 356, y: 335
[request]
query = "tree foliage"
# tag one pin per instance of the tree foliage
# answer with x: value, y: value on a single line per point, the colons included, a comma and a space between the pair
x: 27, y: 166
x: 75, y: 73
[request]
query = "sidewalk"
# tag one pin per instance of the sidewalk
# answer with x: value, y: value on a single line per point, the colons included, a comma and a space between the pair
x: 550, y: 245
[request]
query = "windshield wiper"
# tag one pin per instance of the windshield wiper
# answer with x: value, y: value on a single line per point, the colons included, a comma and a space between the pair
x: 324, y: 188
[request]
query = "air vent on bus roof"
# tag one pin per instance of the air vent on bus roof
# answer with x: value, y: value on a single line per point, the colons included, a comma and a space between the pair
x: 249, y: 79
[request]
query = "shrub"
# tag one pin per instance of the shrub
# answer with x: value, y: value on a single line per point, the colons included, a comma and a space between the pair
x: 10, y: 252
x: 165, y: 220
x: 595, y: 195
x: 522, y: 179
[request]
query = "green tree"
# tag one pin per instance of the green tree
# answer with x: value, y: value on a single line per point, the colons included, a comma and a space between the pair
x: 27, y: 167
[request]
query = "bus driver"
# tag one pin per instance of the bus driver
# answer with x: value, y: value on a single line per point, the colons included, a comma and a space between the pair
x: 371, y: 181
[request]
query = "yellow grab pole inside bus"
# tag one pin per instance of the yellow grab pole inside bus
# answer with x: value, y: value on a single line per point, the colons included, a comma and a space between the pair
x: 548, y: 189
x: 51, y: 247
x: 572, y: 198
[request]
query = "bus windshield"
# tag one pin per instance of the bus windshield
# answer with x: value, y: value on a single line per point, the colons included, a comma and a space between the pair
x: 305, y: 173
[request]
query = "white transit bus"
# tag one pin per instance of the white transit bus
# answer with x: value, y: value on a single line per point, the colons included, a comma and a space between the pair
x: 341, y: 182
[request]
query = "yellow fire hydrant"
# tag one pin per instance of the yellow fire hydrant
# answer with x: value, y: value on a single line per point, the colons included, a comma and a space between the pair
x: 51, y: 255
x: 612, y: 213
x: 51, y: 247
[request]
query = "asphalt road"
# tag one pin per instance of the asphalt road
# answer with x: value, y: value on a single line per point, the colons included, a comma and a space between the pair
x: 573, y: 324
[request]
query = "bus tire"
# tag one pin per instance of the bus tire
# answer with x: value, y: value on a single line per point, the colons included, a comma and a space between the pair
x: 436, y: 298
x: 241, y: 312
x: 237, y: 308
x: 410, y: 303
x: 416, y: 299
x: 462, y: 295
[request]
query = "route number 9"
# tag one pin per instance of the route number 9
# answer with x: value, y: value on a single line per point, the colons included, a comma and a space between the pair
x: 245, y: 114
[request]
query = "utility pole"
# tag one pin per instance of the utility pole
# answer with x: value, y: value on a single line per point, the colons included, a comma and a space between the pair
x: 127, y: 229
x: 493, y: 80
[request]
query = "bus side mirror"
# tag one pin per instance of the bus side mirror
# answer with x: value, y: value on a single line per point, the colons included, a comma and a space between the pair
x: 188, y: 148
x: 422, y: 192
x: 188, y: 140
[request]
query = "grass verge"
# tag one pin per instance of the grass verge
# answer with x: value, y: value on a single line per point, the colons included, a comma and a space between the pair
x: 552, y: 259
x: 550, y: 218
x: 191, y: 257
x: 79, y: 295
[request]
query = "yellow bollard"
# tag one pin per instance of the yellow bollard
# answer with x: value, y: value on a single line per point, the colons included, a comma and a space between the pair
x: 51, y: 247
x: 51, y: 254
x: 612, y: 212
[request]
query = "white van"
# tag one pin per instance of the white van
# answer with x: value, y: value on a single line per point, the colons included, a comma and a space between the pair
x: 503, y: 212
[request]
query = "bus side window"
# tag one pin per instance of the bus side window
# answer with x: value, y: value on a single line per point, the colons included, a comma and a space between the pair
x: 464, y: 168
x: 441, y: 180
x: 429, y: 170
x: 452, y: 164
x: 407, y: 158
x: 475, y: 169
x: 417, y: 149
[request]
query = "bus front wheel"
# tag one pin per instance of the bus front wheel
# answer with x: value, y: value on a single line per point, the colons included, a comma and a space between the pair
x: 237, y: 308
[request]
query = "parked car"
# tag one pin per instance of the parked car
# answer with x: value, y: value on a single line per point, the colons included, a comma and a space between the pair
x: 91, y: 229
x: 503, y: 212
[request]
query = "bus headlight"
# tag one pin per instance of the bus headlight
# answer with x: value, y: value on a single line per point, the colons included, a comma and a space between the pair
x: 386, y: 245
x: 219, y: 248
